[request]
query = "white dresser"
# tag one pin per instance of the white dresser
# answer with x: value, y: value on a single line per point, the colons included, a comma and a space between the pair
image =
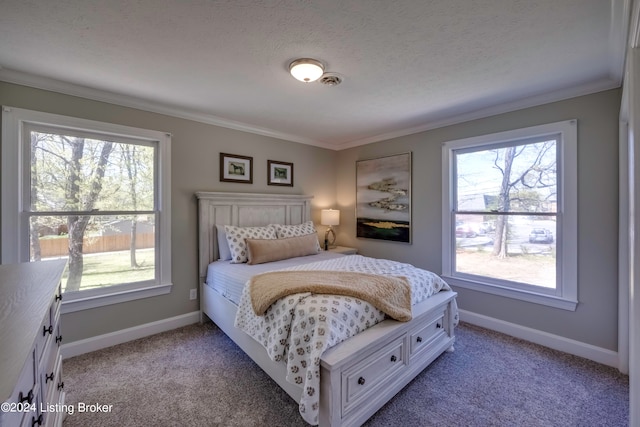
x: 31, y: 386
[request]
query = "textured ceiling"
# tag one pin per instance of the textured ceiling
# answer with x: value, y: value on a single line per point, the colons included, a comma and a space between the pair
x: 407, y: 65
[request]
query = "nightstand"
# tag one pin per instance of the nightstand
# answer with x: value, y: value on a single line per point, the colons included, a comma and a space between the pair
x: 344, y: 250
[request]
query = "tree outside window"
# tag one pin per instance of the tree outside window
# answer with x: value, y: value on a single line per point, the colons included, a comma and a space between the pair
x: 503, y: 193
x: 509, y: 213
x: 97, y: 194
x: 96, y: 197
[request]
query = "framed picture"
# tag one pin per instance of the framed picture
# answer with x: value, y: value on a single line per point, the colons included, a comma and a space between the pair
x: 280, y: 173
x: 383, y: 198
x: 234, y: 168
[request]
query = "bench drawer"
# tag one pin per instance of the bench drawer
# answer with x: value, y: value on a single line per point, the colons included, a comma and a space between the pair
x: 422, y: 337
x: 366, y: 377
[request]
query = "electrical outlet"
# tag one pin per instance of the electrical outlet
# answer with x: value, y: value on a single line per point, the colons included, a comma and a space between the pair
x: 193, y: 293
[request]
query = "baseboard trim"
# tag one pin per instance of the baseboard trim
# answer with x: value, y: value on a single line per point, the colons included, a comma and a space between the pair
x: 556, y: 342
x: 88, y: 345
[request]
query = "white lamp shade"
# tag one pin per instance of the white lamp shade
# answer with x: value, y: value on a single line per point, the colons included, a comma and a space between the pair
x: 330, y: 217
x: 306, y: 70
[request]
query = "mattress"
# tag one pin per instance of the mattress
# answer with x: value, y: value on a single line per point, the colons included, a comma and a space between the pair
x: 229, y: 279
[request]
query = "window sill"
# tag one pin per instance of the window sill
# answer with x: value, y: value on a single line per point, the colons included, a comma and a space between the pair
x: 79, y: 303
x: 519, y: 294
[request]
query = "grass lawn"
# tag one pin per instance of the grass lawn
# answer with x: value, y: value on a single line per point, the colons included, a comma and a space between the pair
x: 112, y: 268
x: 533, y: 269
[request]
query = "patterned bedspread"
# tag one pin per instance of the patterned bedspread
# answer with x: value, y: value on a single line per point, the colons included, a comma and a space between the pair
x: 299, y: 328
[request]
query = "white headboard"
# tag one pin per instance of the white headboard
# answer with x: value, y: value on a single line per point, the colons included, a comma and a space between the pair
x: 244, y: 210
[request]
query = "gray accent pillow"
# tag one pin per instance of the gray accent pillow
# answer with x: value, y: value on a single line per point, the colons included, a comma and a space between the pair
x: 224, y: 253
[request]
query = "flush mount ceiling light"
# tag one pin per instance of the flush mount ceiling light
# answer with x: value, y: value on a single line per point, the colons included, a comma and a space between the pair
x: 306, y: 69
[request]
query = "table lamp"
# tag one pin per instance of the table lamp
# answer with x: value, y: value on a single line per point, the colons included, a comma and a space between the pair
x: 329, y: 217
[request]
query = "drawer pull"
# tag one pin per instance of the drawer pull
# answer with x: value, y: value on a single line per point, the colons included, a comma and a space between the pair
x: 393, y: 358
x: 419, y: 339
x: 59, y: 297
x: 438, y: 326
x: 35, y: 420
x: 61, y: 385
x: 45, y: 330
x: 361, y: 381
x: 59, y: 339
x: 48, y: 378
x: 28, y: 398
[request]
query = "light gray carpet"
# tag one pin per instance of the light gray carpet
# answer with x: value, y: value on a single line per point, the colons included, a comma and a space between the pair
x: 196, y: 376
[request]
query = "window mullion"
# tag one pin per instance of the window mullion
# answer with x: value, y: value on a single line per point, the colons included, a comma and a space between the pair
x: 515, y: 213
x: 89, y: 213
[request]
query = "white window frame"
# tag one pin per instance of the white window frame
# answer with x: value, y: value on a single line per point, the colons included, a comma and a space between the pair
x: 566, y: 292
x: 15, y: 179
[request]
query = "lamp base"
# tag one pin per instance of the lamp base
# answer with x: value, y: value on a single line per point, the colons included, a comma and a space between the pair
x: 329, y: 241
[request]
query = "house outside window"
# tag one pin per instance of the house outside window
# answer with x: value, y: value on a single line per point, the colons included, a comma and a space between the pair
x: 510, y: 214
x: 93, y: 193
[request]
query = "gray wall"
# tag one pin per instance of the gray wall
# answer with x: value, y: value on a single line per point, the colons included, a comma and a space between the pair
x: 595, y: 320
x: 195, y: 167
x: 330, y: 177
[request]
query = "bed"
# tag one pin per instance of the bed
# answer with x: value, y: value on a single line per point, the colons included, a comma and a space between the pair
x: 357, y: 376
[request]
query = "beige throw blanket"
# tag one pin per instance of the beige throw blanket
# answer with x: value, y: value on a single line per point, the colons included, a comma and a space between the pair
x: 390, y: 294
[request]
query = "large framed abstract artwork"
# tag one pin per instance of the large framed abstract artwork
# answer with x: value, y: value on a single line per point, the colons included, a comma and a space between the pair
x: 383, y: 198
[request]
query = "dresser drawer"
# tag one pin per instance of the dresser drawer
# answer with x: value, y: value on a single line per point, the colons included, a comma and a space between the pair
x: 48, y: 378
x: 366, y: 377
x: 51, y: 407
x: 35, y: 418
x: 13, y: 418
x: 55, y: 419
x: 424, y: 336
x: 30, y: 317
x: 23, y: 397
x: 57, y: 302
x: 45, y: 332
x: 49, y: 329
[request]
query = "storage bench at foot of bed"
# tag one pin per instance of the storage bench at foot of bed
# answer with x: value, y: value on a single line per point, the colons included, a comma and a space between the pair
x: 366, y: 371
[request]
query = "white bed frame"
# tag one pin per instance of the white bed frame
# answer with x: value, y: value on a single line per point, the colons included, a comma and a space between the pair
x: 358, y: 376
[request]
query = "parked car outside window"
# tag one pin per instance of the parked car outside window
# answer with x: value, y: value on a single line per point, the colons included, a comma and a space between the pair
x: 465, y: 230
x: 540, y: 235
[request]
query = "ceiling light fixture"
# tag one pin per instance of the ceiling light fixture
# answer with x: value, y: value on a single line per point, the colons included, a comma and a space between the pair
x: 306, y: 70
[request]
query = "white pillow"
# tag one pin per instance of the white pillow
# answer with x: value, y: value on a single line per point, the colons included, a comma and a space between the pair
x: 236, y: 236
x: 224, y: 254
x: 303, y: 229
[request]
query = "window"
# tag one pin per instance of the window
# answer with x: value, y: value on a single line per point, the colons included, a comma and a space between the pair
x: 93, y: 193
x: 510, y: 214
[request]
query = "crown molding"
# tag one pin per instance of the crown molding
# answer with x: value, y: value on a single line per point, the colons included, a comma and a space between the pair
x: 633, y: 42
x: 66, y: 88
x: 45, y: 83
x: 618, y: 35
x: 534, y: 101
x: 634, y: 32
